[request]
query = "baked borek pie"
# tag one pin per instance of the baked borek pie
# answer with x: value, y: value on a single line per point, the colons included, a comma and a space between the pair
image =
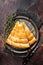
x: 21, y: 36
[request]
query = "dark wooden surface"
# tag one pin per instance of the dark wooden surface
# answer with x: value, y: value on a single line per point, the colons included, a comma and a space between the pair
x: 7, y: 7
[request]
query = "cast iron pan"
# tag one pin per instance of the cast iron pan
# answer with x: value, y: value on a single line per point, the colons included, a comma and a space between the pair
x: 31, y: 21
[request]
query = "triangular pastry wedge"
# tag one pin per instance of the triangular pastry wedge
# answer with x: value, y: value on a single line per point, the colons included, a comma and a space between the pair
x: 21, y: 36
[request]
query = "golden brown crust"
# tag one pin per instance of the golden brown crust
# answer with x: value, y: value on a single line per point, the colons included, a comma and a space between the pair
x: 30, y: 36
x: 16, y: 39
x: 21, y: 36
x: 17, y: 45
x: 32, y: 41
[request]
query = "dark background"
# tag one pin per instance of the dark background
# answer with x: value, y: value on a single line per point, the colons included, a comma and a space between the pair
x: 7, y: 7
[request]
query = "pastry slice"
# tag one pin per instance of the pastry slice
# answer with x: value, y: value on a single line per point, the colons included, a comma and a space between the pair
x: 21, y: 36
